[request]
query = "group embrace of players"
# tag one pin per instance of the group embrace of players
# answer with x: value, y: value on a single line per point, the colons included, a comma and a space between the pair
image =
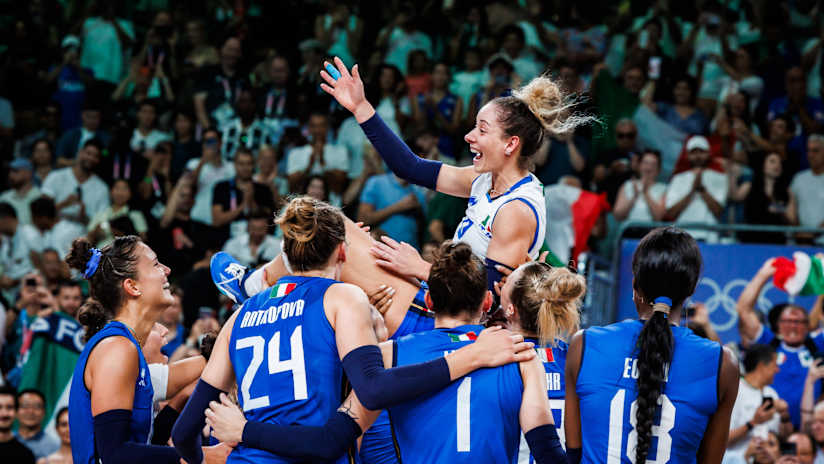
x: 428, y: 382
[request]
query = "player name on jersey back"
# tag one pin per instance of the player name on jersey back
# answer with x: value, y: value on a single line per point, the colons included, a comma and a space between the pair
x: 631, y: 369
x: 271, y: 314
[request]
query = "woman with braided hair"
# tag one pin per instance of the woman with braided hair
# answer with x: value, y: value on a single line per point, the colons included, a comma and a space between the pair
x: 669, y: 392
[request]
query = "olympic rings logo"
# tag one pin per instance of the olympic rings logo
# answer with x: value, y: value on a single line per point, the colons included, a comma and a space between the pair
x: 723, y: 300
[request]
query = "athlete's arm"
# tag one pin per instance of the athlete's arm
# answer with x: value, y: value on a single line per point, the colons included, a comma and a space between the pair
x: 572, y: 411
x: 348, y: 91
x: 513, y: 230
x: 347, y: 309
x: 218, y: 377
x: 535, y: 417
x: 182, y: 373
x: 748, y: 324
x: 715, y: 438
x: 110, y: 376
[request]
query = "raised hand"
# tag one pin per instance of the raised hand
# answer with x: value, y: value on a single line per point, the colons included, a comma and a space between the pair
x: 347, y: 90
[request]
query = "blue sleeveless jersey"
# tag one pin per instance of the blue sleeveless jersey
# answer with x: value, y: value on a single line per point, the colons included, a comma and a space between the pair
x: 554, y: 361
x: 80, y: 400
x: 473, y: 420
x: 607, y: 393
x: 377, y: 446
x: 793, y: 364
x: 286, y: 361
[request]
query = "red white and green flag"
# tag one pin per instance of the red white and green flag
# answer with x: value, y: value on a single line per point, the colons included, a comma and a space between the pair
x: 280, y: 290
x: 804, y: 275
x: 469, y: 336
x: 545, y: 354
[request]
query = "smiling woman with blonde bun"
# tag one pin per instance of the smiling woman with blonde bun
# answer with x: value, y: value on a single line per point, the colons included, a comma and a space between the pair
x: 506, y: 217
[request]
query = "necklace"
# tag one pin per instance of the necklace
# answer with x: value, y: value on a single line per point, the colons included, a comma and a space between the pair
x: 134, y: 334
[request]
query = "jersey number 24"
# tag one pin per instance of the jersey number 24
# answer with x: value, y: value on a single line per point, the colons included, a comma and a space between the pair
x: 275, y: 365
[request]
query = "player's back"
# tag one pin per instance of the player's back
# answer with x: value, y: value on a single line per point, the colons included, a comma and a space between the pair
x: 554, y: 360
x: 607, y: 379
x: 285, y: 359
x: 473, y: 420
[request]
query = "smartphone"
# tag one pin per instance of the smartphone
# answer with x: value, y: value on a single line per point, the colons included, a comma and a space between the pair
x: 817, y: 358
x: 789, y: 449
x: 31, y: 282
x: 767, y: 401
x: 654, y: 70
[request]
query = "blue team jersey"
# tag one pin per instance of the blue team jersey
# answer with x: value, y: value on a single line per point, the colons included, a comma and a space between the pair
x: 473, y: 420
x: 793, y: 363
x: 554, y: 361
x: 607, y: 393
x: 377, y: 446
x: 80, y: 400
x: 285, y: 359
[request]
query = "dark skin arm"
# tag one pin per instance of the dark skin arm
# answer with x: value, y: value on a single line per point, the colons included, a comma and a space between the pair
x: 715, y: 437
x: 572, y: 409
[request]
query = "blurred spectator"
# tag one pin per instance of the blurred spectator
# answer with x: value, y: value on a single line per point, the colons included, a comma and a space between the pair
x: 42, y: 158
x: 794, y: 344
x: 577, y: 215
x: 150, y: 195
x: 614, y: 167
x: 768, y: 200
x: 502, y: 79
x: 310, y: 95
x: 697, y: 195
x: 315, y: 187
x: 340, y: 31
x: 31, y: 409
x: 78, y: 194
x: 207, y: 171
x: 15, y: 248
x: 742, y: 77
x: 387, y: 91
x: 513, y: 42
x: 393, y: 205
x: 418, y: 76
x: 753, y: 415
x: 813, y: 56
x: 245, y: 130
x: 172, y: 320
x: 402, y: 36
x: 804, y: 448
x: 72, y: 141
x: 443, y: 215
x: 48, y: 129
x: 184, y: 145
x: 279, y: 102
x: 562, y: 155
x: 44, y: 218
x: 682, y: 115
x: 201, y: 53
x: 71, y: 82
x: 807, y: 188
x: 642, y: 199
x: 22, y: 191
x: 267, y: 172
x: 105, y: 38
x: 469, y: 78
x: 426, y: 145
x: 761, y: 450
x: 441, y: 109
x: 100, y: 232
x: 220, y: 86
x: 807, y: 112
x: 257, y: 246
x: 64, y: 453
x: 318, y: 158
x: 53, y: 269
x: 739, y: 177
x: 812, y: 411
x: 615, y: 101
x: 234, y: 200
x: 10, y: 447
x: 145, y: 135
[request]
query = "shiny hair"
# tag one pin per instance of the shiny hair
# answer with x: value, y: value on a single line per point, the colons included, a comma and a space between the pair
x: 457, y: 280
x: 312, y: 230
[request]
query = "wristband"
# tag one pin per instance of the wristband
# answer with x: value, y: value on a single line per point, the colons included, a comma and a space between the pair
x: 749, y: 426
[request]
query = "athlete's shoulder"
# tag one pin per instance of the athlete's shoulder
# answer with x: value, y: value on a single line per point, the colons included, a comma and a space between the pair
x: 613, y: 329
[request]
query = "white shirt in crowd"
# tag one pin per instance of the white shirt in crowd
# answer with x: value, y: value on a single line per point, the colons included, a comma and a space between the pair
x: 749, y: 399
x: 140, y: 142
x: 334, y: 158
x: 15, y: 251
x: 640, y: 209
x: 209, y: 176
x: 239, y: 248
x: 21, y: 203
x: 715, y: 183
x: 61, y: 183
x: 560, y: 233
x: 808, y: 190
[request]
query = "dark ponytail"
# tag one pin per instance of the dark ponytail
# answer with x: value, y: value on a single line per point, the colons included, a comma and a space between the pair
x: 117, y: 262
x: 665, y: 267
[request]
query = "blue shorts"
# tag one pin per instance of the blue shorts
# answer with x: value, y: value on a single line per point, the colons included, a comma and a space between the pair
x: 378, y: 446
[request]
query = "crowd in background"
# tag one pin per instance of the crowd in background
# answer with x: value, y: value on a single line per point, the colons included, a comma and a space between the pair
x: 188, y: 123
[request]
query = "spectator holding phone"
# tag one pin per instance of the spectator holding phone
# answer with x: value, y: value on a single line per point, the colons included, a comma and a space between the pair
x: 758, y: 408
x: 798, y: 449
x: 812, y: 413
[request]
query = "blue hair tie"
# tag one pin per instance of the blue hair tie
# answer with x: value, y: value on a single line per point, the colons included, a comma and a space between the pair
x: 94, y: 261
x: 662, y: 304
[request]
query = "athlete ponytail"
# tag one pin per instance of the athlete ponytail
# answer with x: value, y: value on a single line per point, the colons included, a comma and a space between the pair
x: 665, y: 268
x: 547, y: 300
x: 311, y: 230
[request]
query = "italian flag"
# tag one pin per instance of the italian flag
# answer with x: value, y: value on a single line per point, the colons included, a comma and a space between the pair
x: 280, y: 290
x: 804, y: 275
x: 545, y: 355
x: 469, y: 336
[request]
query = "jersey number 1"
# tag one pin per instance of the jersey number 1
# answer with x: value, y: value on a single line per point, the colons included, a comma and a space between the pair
x: 616, y: 430
x: 275, y: 364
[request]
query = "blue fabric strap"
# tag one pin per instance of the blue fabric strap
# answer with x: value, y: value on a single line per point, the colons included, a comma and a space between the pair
x: 398, y: 156
x: 111, y: 438
x: 573, y: 455
x: 187, y: 429
x: 378, y: 387
x: 325, y: 443
x: 544, y: 445
x: 492, y: 274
